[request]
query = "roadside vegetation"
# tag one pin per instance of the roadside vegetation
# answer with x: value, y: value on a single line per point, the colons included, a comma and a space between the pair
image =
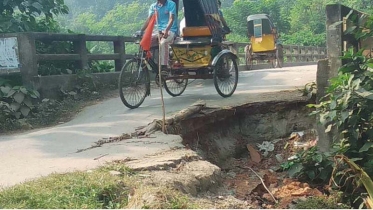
x: 108, y: 187
x: 346, y: 113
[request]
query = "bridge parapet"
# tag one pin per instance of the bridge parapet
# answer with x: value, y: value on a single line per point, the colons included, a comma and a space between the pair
x: 293, y: 54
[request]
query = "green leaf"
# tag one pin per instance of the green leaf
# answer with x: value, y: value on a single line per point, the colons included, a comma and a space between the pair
x: 5, y: 89
x: 15, y: 106
x: 23, y: 90
x: 355, y: 159
x: 16, y: 88
x: 25, y: 111
x: 11, y: 93
x: 19, y: 97
x: 366, y: 147
x: 28, y: 102
x: 295, y: 169
x: 311, y: 174
x: 318, y: 158
x: 17, y: 114
x: 369, y: 65
x: 350, y: 30
x: 332, y: 114
x: 333, y: 104
x: 334, y: 25
x: 34, y: 94
x: 323, y: 117
x: 37, y: 6
x: 365, y: 94
x: 344, y: 115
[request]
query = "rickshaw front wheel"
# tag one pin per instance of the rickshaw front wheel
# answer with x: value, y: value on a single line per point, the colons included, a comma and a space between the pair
x: 134, y: 84
x: 175, y: 87
x: 226, y: 75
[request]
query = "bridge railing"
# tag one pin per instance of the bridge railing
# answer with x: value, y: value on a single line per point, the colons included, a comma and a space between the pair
x: 293, y: 54
x: 26, y: 57
x: 19, y: 53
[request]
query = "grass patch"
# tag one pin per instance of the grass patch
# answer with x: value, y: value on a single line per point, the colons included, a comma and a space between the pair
x: 158, y: 197
x: 93, y: 190
x: 323, y: 202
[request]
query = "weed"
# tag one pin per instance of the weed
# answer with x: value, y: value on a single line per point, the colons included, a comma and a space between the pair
x: 72, y: 191
x: 322, y: 202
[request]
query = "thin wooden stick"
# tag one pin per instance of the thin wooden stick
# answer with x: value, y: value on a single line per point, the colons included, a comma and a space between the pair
x: 160, y: 76
x: 264, y: 185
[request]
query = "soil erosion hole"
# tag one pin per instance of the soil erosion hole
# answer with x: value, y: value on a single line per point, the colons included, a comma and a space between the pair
x: 222, y: 134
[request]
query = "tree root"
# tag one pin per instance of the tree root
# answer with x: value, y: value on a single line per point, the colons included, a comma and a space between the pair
x: 171, y: 123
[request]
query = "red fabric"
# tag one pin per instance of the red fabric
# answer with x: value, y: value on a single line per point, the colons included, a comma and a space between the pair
x: 147, y: 38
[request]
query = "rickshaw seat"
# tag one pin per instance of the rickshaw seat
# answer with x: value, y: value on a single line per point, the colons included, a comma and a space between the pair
x: 196, y: 31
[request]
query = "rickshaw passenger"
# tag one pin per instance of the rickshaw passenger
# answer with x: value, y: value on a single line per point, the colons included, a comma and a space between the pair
x: 167, y: 23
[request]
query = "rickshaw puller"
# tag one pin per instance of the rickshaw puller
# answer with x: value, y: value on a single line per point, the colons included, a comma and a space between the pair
x: 167, y: 24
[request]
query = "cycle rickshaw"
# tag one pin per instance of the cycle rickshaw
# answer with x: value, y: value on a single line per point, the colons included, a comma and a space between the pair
x: 264, y: 43
x: 199, y: 53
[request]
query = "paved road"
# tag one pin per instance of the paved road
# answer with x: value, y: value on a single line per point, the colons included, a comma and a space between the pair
x: 38, y: 153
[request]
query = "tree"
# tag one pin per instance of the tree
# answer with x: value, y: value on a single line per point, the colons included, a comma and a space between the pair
x: 237, y: 14
x: 23, y: 15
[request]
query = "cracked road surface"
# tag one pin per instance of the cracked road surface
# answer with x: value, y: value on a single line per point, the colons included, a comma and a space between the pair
x: 36, y: 153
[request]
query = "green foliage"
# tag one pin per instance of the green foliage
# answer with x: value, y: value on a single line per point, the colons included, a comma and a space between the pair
x: 47, y: 68
x: 100, y: 67
x: 22, y: 15
x: 311, y: 165
x: 236, y: 15
x: 348, y: 107
x: 330, y: 202
x: 16, y: 101
x: 123, y: 19
x: 347, y: 112
x: 304, y: 38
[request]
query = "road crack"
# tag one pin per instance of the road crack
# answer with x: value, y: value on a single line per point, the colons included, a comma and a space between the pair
x: 103, y: 141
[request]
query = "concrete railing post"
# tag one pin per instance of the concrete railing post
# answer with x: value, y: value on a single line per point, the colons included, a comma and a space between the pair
x: 80, y: 47
x: 119, y: 47
x: 334, y: 39
x: 27, y: 58
x: 328, y: 68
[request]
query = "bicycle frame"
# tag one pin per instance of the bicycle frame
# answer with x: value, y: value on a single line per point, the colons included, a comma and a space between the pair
x: 142, y: 54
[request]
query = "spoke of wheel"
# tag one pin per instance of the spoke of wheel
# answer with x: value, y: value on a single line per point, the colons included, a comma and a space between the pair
x: 133, y: 92
x: 226, y: 84
x: 175, y: 86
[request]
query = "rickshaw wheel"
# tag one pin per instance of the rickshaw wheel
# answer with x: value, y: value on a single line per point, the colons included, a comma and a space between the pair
x: 133, y: 84
x: 226, y: 75
x: 175, y: 87
x: 248, y: 58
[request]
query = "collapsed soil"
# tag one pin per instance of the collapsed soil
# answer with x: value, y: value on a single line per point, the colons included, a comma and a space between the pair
x: 281, y: 191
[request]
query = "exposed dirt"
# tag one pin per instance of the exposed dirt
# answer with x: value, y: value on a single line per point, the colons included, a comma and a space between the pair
x: 274, y: 190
